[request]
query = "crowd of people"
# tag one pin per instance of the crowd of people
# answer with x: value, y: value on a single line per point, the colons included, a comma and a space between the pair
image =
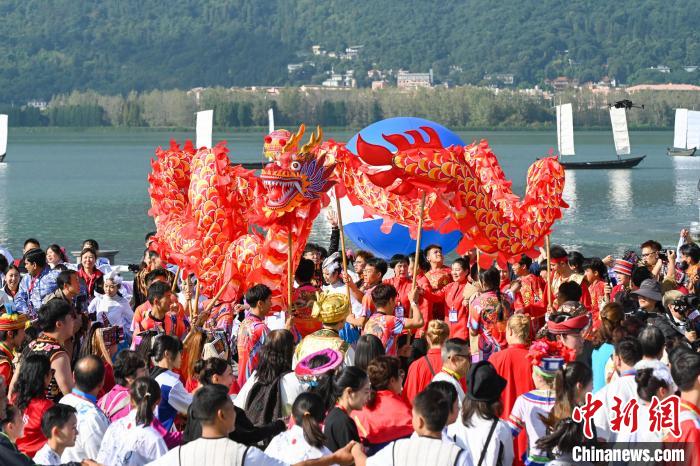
x: 457, y: 365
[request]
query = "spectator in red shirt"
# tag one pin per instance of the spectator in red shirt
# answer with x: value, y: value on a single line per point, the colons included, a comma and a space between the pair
x: 30, y: 397
x: 595, y: 272
x: 438, y: 276
x: 457, y: 295
x: 422, y: 370
x: 90, y: 276
x: 386, y: 416
x: 685, y: 369
x: 513, y: 365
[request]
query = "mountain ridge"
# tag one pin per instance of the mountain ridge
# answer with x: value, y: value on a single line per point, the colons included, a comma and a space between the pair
x: 117, y: 46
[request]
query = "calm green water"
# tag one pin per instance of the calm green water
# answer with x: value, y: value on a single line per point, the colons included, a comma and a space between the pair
x: 67, y: 185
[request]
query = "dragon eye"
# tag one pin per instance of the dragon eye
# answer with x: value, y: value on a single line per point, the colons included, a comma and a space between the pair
x: 268, y: 139
x: 295, y: 166
x: 283, y: 142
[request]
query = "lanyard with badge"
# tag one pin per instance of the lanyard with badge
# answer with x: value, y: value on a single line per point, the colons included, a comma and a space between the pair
x: 453, y: 314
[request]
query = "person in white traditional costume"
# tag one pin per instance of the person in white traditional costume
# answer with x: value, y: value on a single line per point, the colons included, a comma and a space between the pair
x: 132, y: 441
x: 112, y: 306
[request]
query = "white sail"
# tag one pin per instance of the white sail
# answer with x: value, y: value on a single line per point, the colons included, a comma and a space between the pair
x: 618, y: 118
x: 565, y: 130
x: 680, y: 128
x: 271, y: 120
x: 205, y: 126
x: 693, y: 140
x: 3, y: 134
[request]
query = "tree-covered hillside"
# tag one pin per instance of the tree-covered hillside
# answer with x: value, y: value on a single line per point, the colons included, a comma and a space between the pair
x: 114, y: 46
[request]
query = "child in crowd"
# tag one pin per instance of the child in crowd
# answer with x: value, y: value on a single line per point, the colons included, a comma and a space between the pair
x: 12, y: 426
x: 59, y: 425
x: 305, y: 439
x: 132, y: 441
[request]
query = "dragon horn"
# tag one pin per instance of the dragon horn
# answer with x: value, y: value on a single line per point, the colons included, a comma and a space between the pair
x: 294, y: 140
x: 314, y: 140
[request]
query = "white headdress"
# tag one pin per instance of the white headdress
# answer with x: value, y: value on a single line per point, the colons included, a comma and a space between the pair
x: 114, y: 277
x: 332, y: 263
x: 660, y: 371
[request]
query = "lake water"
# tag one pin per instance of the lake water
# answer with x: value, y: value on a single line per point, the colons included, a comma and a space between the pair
x: 64, y: 186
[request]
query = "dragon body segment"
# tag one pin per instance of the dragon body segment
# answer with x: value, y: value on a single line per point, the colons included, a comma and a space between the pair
x: 466, y: 190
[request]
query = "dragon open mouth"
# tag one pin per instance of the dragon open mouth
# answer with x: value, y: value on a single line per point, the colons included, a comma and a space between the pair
x: 281, y: 190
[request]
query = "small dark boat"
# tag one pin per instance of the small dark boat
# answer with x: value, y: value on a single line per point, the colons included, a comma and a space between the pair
x: 251, y: 165
x: 602, y: 164
x: 676, y: 152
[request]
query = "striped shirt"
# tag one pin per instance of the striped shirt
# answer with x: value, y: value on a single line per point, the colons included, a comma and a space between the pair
x: 526, y: 414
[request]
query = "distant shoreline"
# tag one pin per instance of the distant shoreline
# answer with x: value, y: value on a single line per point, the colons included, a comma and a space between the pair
x: 263, y: 129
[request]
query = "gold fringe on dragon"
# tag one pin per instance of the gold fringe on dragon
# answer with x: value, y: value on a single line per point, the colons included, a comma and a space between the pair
x: 228, y: 226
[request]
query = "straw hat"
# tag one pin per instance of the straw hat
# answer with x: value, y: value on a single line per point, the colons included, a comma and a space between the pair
x: 331, y: 308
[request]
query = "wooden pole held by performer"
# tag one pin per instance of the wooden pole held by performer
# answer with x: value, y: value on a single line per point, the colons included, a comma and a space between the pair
x: 549, y: 272
x: 195, y: 311
x: 342, y: 241
x: 418, y: 239
x: 290, y: 272
x: 175, y: 278
x: 213, y: 302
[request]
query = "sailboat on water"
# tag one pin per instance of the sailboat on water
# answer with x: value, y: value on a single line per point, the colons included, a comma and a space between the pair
x: 3, y: 137
x: 686, y: 133
x: 565, y: 140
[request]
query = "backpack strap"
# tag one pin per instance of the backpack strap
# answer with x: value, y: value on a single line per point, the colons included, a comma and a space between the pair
x: 430, y: 366
x: 488, y: 440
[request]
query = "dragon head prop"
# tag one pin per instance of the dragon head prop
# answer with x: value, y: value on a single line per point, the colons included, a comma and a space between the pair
x: 294, y: 175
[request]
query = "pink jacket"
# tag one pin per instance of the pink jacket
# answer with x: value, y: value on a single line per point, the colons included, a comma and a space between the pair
x: 116, y: 405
